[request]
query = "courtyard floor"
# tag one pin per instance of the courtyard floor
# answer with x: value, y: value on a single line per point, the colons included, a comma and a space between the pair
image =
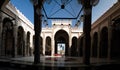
x: 55, y: 61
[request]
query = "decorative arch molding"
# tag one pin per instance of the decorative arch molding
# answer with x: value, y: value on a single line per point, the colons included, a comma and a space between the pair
x: 55, y: 31
x: 7, y: 20
x: 74, y: 37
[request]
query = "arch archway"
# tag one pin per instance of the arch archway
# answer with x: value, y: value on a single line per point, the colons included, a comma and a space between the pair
x: 103, y: 43
x: 74, y: 47
x: 48, y: 46
x: 62, y: 41
x: 8, y: 37
x: 95, y: 44
x: 20, y: 42
x: 115, y: 48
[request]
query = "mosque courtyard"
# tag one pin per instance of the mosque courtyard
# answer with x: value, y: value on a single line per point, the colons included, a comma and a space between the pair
x: 56, y: 62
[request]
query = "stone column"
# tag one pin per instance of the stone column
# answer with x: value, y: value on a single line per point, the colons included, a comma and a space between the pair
x: 86, y: 31
x: 1, y: 3
x: 98, y: 47
x: 15, y: 38
x: 70, y: 42
x: 24, y: 44
x: 92, y: 43
x: 3, y: 43
x: 0, y: 32
x: 109, y: 37
x: 44, y: 42
x: 53, y: 47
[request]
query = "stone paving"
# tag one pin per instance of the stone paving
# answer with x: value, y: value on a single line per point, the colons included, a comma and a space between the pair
x: 48, y: 61
x: 59, y: 61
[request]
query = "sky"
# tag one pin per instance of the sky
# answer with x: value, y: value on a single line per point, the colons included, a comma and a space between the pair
x: 101, y: 8
x: 53, y: 9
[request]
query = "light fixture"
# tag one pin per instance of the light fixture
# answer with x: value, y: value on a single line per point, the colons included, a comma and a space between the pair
x: 45, y: 22
x: 82, y: 18
x: 63, y: 2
